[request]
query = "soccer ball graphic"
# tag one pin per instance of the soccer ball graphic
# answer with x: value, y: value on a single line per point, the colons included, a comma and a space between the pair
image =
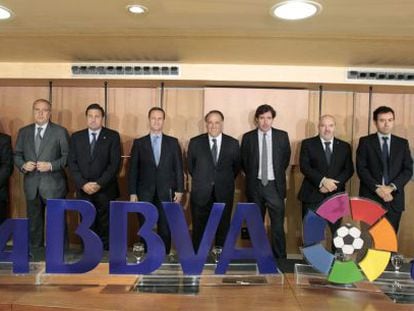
x: 348, y: 239
x: 379, y: 239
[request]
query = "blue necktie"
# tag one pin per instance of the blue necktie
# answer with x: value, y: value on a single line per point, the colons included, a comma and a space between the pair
x: 156, y: 149
x: 385, y: 160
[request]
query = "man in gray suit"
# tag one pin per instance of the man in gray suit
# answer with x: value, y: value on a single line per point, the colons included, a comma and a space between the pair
x: 41, y: 155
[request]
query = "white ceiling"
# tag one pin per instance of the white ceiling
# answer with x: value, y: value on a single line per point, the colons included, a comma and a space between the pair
x: 346, y: 32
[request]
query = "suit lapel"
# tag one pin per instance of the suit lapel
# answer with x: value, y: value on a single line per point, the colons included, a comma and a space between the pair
x: 321, y: 152
x: 222, y: 148
x: 275, y: 143
x: 256, y: 151
x: 101, y: 138
x: 163, y: 149
x: 32, y: 138
x: 375, y: 143
x: 84, y: 141
x: 335, y: 152
x: 394, y: 149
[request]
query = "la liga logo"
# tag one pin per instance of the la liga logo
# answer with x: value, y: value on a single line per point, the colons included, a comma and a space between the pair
x: 365, y: 242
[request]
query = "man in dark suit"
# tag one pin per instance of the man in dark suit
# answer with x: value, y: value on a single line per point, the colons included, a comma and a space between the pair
x: 326, y: 163
x: 384, y: 166
x: 265, y: 154
x: 156, y: 171
x: 94, y: 161
x: 6, y: 168
x: 41, y: 155
x: 213, y: 163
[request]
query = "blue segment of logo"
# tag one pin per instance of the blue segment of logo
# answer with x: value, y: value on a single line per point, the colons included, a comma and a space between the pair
x: 314, y: 229
x: 319, y: 258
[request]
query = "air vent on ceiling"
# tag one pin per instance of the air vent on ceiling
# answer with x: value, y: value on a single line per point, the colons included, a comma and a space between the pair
x: 126, y: 69
x: 380, y: 75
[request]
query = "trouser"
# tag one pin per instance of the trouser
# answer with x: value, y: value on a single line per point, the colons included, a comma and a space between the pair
x: 268, y: 198
x: 200, y: 214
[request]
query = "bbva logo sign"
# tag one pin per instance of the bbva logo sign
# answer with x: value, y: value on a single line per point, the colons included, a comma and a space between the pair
x: 192, y: 262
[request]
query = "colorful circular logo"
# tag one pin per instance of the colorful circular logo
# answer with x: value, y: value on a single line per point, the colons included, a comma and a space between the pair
x: 348, y: 239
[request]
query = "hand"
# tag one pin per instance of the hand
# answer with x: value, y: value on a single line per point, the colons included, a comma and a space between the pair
x: 29, y: 166
x: 177, y: 197
x: 388, y: 198
x: 384, y: 192
x: 133, y: 198
x: 43, y: 166
x: 323, y: 190
x: 90, y: 187
x: 330, y: 184
x: 96, y: 187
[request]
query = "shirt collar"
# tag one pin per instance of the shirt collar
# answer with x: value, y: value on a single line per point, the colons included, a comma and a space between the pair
x: 97, y: 132
x: 43, y: 126
x: 325, y: 141
x: 380, y: 136
x: 268, y: 133
x: 152, y: 135
x: 218, y: 137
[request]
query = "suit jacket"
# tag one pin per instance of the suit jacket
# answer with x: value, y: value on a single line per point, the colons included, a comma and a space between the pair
x: 54, y: 148
x: 102, y: 166
x: 206, y: 176
x: 314, y: 167
x: 6, y: 165
x: 145, y: 178
x: 369, y: 168
x: 250, y: 159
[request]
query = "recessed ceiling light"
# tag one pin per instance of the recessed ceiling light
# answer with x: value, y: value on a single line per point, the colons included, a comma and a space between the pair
x: 295, y: 9
x: 5, y: 13
x: 137, y: 9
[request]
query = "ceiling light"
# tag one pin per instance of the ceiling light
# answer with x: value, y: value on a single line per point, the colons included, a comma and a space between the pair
x: 295, y: 9
x: 137, y: 9
x: 5, y: 13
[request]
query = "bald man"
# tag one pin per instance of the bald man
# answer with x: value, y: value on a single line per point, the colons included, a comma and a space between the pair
x: 326, y: 163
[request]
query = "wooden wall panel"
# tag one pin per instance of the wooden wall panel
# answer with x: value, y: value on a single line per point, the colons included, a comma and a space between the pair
x: 128, y: 111
x: 313, y: 114
x: 185, y: 113
x: 69, y: 105
x: 184, y: 120
x: 360, y: 128
x: 340, y: 105
x: 16, y: 112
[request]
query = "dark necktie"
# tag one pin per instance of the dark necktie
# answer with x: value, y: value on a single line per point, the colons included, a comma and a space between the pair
x: 93, y: 144
x: 385, y: 160
x: 38, y: 139
x: 214, y: 151
x: 328, y: 152
x: 265, y: 178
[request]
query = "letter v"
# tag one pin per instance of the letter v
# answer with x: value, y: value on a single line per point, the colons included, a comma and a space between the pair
x: 191, y: 263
